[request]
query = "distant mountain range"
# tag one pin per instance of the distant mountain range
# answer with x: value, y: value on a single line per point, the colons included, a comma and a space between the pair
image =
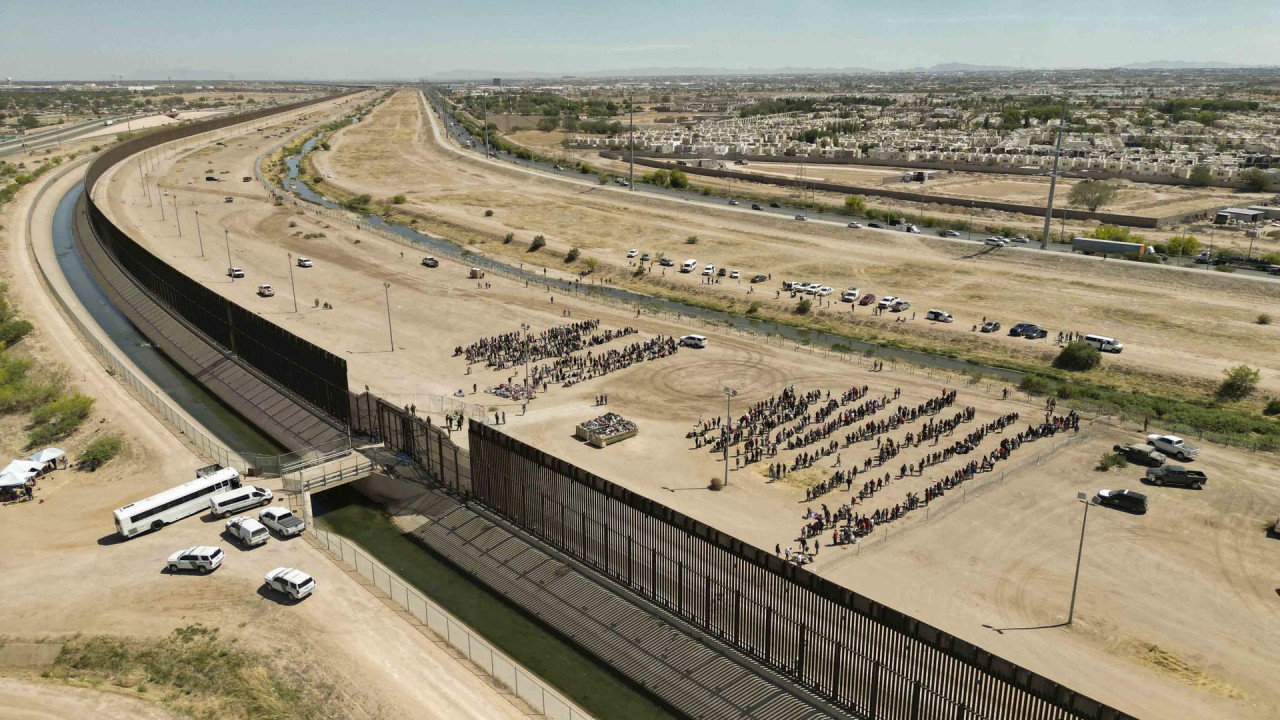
x: 1183, y: 65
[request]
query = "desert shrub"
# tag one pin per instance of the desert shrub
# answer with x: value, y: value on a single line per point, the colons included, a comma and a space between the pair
x: 101, y: 451
x: 538, y: 243
x: 571, y: 255
x: 488, y: 213
x: 58, y: 418
x: 1036, y: 384
x: 1239, y: 383
x: 716, y: 484
x: 398, y: 200
x: 691, y: 240
x: 506, y: 239
x: 12, y: 331
x: 1272, y: 408
x: 1112, y: 460
x: 1263, y: 319
x: 804, y: 307
x: 753, y: 308
x: 1079, y: 356
x: 1225, y: 268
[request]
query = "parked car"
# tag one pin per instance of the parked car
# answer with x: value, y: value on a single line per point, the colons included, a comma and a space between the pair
x: 241, y: 498
x: 430, y: 262
x: 735, y: 275
x: 1177, y: 475
x: 759, y: 278
x: 247, y: 531
x: 733, y: 202
x: 285, y: 523
x: 633, y: 253
x: 995, y: 242
x: 722, y: 272
x: 266, y: 291
x: 1021, y: 239
x: 666, y: 262
x: 899, y: 305
x: 235, y: 272
x: 887, y: 300
x: 939, y: 316
x: 693, y: 341
x: 293, y: 583
x: 774, y: 205
x: 1140, y: 453
x: 754, y: 206
x: 1035, y: 332
x: 644, y: 257
x: 210, y: 178
x: 801, y: 218
x: 1127, y: 500
x: 850, y: 295
x: 950, y: 233
x: 204, y: 559
x: 305, y: 262
x: 825, y: 290
x: 990, y: 326
x: 877, y: 226
x: 912, y: 229
x: 1173, y: 446
x: 867, y: 299
x: 228, y: 199
x: 855, y: 225
x: 1027, y: 330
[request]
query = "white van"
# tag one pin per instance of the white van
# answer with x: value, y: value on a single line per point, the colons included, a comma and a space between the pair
x: 223, y: 504
x: 694, y: 341
x: 1105, y: 344
x: 688, y: 266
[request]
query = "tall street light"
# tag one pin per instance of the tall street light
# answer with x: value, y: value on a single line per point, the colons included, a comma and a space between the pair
x: 199, y: 236
x: 176, y: 216
x: 1053, y: 179
x: 387, y: 287
x: 729, y: 394
x: 1083, y: 498
x: 524, y: 328
x: 292, y: 290
x: 226, y: 236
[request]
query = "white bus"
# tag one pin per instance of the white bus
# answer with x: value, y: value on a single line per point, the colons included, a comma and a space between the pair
x: 176, y: 503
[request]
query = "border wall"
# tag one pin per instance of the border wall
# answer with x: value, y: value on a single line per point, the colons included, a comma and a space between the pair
x: 864, y: 656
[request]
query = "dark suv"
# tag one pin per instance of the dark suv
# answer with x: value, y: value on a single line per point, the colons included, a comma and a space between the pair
x: 1027, y: 330
x: 1126, y: 500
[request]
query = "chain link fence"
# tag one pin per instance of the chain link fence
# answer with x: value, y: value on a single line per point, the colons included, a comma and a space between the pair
x: 506, y: 673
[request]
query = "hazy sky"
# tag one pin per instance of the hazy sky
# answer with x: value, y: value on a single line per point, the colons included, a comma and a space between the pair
x: 82, y: 39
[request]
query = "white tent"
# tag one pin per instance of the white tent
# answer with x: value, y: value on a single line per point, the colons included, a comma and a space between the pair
x: 7, y: 481
x: 47, y: 455
x: 24, y: 469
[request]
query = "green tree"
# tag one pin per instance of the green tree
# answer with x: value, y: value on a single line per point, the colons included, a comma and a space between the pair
x: 679, y: 179
x: 538, y: 243
x: 855, y: 205
x: 1201, y: 175
x: 28, y: 122
x: 571, y: 255
x: 1092, y: 194
x: 1239, y: 383
x: 1079, y: 356
x: 591, y: 264
x: 547, y: 124
x: 1182, y: 245
x: 1255, y: 180
x: 398, y: 200
x: 101, y: 451
x: 804, y: 306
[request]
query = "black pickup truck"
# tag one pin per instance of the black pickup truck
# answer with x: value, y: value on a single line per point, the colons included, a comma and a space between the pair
x: 1177, y: 475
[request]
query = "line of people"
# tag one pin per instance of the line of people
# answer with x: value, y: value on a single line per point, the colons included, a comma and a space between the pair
x: 514, y: 348
x: 574, y: 369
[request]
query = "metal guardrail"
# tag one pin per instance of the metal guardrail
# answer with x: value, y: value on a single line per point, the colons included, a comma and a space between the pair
x: 297, y: 481
x: 504, y: 671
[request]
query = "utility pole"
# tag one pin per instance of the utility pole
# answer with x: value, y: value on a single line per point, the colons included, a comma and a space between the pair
x: 524, y: 328
x: 1053, y: 178
x: 160, y: 199
x: 729, y: 394
x: 292, y: 290
x: 199, y: 237
x: 176, y: 216
x: 387, y: 287
x: 486, y: 132
x: 226, y: 236
x: 143, y: 178
x: 631, y: 172
x: 1071, y: 614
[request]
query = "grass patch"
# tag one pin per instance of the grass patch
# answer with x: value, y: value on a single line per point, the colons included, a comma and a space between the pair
x: 196, y: 673
x: 101, y: 451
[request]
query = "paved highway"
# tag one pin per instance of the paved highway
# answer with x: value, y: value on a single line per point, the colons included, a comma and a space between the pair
x: 462, y: 137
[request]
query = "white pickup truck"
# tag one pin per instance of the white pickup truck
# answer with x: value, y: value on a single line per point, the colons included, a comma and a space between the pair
x: 285, y: 523
x: 1173, y: 446
x: 247, y: 531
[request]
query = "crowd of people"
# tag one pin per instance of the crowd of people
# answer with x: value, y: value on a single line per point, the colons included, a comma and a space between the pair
x: 572, y: 369
x: 846, y: 525
x: 510, y: 349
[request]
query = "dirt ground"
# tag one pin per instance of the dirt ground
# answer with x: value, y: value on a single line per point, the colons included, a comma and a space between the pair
x: 392, y: 152
x: 32, y: 699
x: 1142, y: 640
x: 81, y: 578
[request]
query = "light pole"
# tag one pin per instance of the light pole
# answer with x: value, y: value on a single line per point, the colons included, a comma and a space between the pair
x: 226, y: 236
x: 176, y: 216
x: 524, y: 329
x: 143, y: 179
x: 631, y: 171
x: 292, y: 290
x: 1053, y: 178
x: 1083, y: 498
x: 199, y: 236
x: 387, y: 287
x: 729, y: 394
